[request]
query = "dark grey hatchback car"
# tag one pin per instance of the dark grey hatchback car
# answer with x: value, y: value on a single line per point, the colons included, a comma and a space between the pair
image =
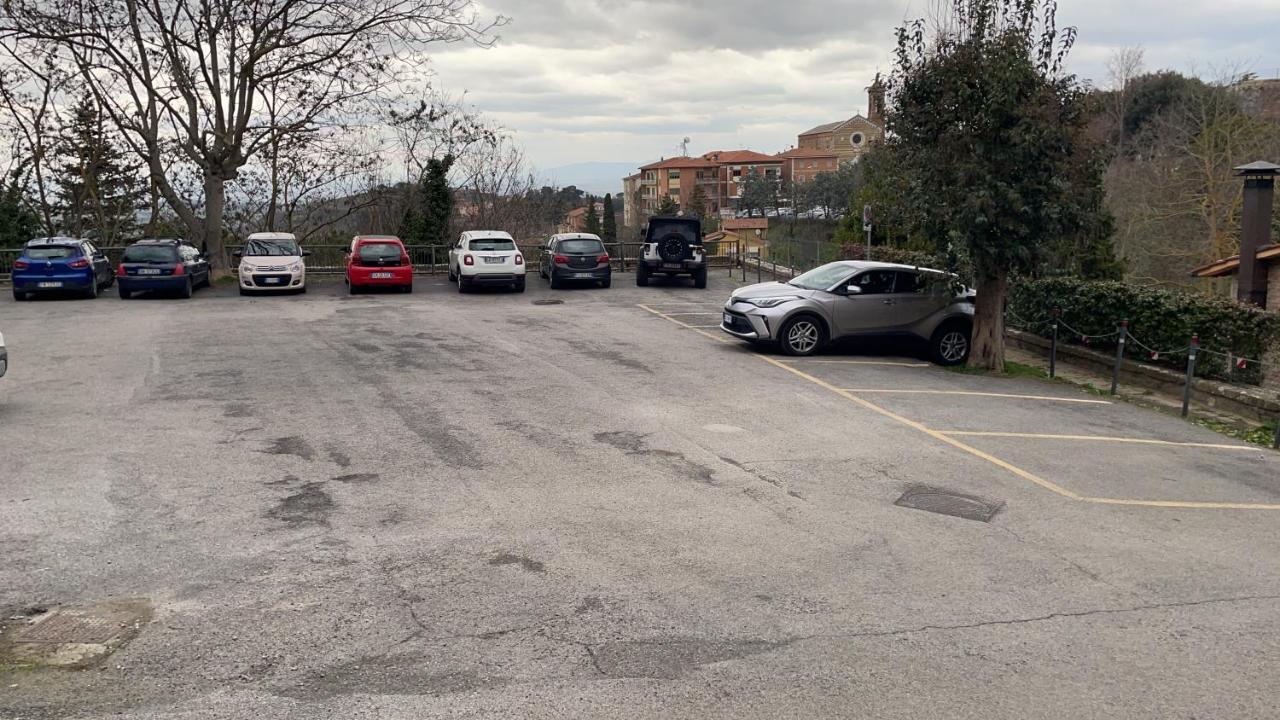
x: 575, y: 258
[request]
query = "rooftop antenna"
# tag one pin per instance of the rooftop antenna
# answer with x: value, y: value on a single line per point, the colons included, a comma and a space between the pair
x: 684, y: 147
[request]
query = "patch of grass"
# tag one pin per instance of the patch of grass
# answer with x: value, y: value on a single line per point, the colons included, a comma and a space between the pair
x: 1262, y: 435
x: 1011, y: 370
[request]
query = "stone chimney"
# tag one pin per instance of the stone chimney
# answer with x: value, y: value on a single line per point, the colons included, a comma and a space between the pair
x: 875, y: 102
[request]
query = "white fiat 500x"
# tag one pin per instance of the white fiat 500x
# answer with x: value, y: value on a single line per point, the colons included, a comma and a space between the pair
x: 272, y: 262
x: 486, y: 257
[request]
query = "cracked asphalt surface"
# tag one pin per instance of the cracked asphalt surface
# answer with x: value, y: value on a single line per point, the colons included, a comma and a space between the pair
x: 436, y: 505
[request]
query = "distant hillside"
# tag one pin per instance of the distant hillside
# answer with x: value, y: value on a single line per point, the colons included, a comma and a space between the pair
x: 597, y: 178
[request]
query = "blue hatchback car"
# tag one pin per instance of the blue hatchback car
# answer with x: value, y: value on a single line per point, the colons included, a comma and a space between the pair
x: 161, y: 265
x: 61, y: 264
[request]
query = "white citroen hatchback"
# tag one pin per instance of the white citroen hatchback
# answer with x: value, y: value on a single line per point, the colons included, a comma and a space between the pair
x: 272, y: 261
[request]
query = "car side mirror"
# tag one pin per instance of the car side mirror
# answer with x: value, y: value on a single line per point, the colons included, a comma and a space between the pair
x: 238, y: 253
x: 306, y: 253
x: 345, y: 251
x: 853, y: 289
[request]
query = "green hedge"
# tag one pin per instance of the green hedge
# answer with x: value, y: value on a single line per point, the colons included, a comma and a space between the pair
x: 1160, y: 318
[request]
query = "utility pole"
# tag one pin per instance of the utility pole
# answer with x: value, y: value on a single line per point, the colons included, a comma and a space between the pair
x: 866, y: 227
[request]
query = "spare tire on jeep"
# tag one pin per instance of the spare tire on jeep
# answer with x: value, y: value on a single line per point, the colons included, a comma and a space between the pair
x: 673, y: 248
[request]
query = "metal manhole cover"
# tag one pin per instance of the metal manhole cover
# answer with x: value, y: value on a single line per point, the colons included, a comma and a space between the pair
x: 548, y: 302
x: 946, y: 502
x: 74, y: 627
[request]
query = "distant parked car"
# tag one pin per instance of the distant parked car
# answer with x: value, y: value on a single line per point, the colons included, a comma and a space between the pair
x: 672, y: 247
x: 486, y: 257
x: 4, y: 357
x: 855, y: 299
x: 59, y: 264
x: 378, y: 261
x: 161, y: 265
x: 272, y: 262
x: 575, y: 257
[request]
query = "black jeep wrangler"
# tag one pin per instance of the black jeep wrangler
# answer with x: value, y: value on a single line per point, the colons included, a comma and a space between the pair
x: 672, y: 246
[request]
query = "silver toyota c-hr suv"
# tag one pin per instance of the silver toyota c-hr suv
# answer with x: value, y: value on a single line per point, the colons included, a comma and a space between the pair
x: 855, y: 299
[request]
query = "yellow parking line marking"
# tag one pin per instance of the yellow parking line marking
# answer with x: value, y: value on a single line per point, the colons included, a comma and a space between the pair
x: 1095, y: 438
x: 890, y: 363
x: 668, y: 318
x: 1051, y: 398
x: 1014, y: 469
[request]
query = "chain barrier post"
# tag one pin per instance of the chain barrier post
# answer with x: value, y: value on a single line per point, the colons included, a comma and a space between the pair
x: 1115, y: 370
x: 1231, y: 366
x: 1191, y: 374
x: 1053, y: 344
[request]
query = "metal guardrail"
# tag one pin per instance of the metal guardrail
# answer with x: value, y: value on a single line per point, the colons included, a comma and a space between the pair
x: 433, y: 259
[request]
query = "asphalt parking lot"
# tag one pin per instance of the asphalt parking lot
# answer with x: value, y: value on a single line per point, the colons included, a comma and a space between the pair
x: 475, y: 506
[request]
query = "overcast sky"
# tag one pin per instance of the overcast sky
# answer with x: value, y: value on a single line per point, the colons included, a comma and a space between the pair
x: 624, y: 80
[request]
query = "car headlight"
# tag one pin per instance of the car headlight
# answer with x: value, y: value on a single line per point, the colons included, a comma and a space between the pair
x: 245, y: 269
x: 769, y: 302
x: 296, y: 266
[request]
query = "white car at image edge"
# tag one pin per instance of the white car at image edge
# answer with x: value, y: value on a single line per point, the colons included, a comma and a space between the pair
x: 4, y: 357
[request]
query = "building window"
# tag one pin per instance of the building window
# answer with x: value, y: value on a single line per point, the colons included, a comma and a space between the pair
x: 856, y: 139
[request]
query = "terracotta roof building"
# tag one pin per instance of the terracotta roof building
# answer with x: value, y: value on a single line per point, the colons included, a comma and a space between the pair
x: 720, y: 176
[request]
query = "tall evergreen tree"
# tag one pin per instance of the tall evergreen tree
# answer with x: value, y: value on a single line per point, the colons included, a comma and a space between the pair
x: 102, y: 186
x: 609, y: 223
x: 17, y: 223
x: 593, y: 218
x: 667, y: 206
x: 430, y: 206
x: 697, y: 205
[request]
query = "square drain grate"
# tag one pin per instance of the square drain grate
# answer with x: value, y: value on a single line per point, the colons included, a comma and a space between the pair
x: 947, y: 502
x: 65, y: 626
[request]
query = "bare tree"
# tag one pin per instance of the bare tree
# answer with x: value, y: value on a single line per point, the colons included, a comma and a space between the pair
x: 33, y: 85
x: 189, y: 76
x: 1123, y: 66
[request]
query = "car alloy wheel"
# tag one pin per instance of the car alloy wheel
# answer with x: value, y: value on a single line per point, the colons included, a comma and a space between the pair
x: 802, y: 336
x: 953, y: 346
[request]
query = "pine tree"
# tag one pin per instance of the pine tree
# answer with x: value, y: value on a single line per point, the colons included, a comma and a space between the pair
x: 102, y: 186
x: 592, y: 219
x: 17, y: 223
x: 697, y: 207
x: 609, y: 223
x: 667, y: 207
x: 430, y: 206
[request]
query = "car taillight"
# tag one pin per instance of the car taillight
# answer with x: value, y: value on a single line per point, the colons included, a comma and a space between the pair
x: 468, y: 260
x: 559, y: 259
x: 179, y: 269
x: 80, y: 264
x: 20, y: 265
x: 121, y: 270
x: 404, y: 259
x: 519, y: 259
x: 603, y: 258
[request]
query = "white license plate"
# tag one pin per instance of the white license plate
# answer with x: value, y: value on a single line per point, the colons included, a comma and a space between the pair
x: 583, y: 275
x: 49, y: 284
x: 494, y: 261
x: 272, y: 281
x: 149, y: 271
x: 728, y: 319
x: 378, y: 276
x: 673, y: 266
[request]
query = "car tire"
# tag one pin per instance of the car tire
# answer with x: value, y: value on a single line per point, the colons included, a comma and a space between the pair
x: 642, y: 276
x: 351, y: 288
x: 802, y: 335
x: 462, y: 284
x: 951, y: 343
x: 407, y: 289
x: 519, y: 285
x: 606, y: 282
x: 243, y: 291
x: 700, y: 278
x: 555, y: 282
x: 452, y: 276
x: 19, y: 296
x: 92, y: 292
x: 125, y: 294
x: 186, y: 291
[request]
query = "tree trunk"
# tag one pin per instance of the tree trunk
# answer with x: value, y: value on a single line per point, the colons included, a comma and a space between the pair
x: 214, y: 199
x: 988, y: 323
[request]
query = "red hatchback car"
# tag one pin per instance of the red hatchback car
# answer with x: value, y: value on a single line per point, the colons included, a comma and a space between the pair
x: 378, y: 261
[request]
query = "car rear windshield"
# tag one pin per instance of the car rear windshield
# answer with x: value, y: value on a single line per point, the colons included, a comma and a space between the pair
x: 581, y: 246
x: 380, y: 251
x: 149, y: 254
x: 271, y: 247
x: 493, y: 244
x: 52, y: 252
x: 660, y: 230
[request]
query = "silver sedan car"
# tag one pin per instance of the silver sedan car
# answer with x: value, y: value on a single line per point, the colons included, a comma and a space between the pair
x: 855, y: 299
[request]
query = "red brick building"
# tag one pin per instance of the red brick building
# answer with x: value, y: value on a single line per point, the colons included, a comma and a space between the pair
x: 719, y: 174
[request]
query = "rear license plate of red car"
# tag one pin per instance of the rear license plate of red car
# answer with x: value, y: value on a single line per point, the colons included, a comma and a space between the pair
x: 380, y: 276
